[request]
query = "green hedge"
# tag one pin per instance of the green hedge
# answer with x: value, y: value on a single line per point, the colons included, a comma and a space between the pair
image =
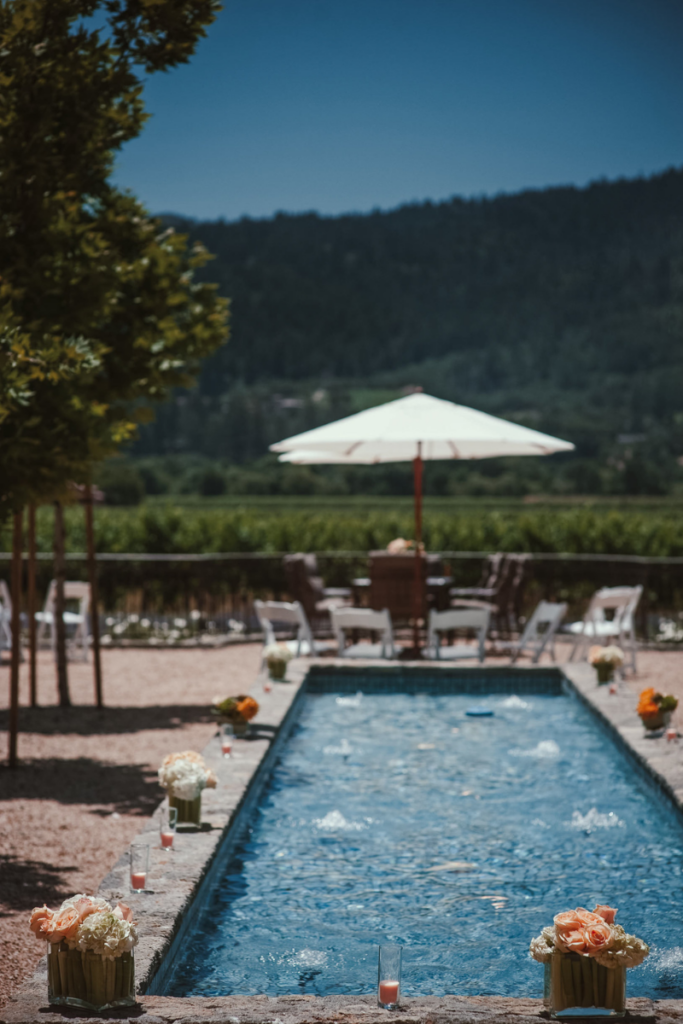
x: 166, y: 529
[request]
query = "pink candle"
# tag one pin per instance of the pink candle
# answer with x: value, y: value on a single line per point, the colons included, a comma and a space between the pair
x: 226, y: 748
x: 613, y: 688
x: 137, y: 879
x: 671, y: 734
x: 388, y: 992
x: 166, y: 839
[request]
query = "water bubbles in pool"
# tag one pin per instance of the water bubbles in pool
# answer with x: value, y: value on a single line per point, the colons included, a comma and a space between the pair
x: 594, y: 819
x: 335, y: 821
x: 344, y: 748
x: 350, y: 702
x: 513, y: 701
x: 666, y: 959
x: 542, y: 750
x: 307, y: 958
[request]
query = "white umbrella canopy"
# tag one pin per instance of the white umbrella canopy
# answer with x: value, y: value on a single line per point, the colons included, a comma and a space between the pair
x: 419, y: 426
x: 413, y: 429
x: 311, y: 457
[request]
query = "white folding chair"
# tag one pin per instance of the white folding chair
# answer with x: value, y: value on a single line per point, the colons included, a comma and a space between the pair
x: 78, y: 622
x: 538, y: 634
x: 291, y: 614
x: 596, y: 627
x: 449, y: 621
x: 368, y: 621
x: 5, y: 617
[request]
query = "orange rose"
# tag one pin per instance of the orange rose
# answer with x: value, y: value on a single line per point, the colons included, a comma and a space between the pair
x: 568, y: 921
x: 64, y: 925
x: 606, y: 913
x: 124, y: 912
x: 247, y: 708
x: 572, y: 941
x: 598, y: 936
x: 587, y: 918
x: 41, y: 921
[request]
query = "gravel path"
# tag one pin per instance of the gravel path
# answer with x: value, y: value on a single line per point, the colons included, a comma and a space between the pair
x: 87, y: 778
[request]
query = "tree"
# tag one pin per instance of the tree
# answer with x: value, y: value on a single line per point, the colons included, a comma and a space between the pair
x: 98, y: 304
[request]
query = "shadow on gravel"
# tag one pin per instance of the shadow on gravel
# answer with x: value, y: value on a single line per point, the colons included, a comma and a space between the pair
x: 127, y: 788
x: 25, y: 884
x: 90, y: 721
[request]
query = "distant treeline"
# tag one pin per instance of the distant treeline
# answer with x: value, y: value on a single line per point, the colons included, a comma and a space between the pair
x: 560, y: 308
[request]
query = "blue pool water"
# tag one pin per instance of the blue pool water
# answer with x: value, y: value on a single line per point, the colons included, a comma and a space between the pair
x: 398, y: 818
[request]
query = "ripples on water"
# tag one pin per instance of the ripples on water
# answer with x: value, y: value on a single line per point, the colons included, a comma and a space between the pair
x: 396, y: 818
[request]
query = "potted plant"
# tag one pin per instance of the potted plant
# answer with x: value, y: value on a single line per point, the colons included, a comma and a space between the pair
x: 239, y: 711
x: 655, y: 709
x: 90, y: 952
x: 586, y: 956
x: 277, y: 656
x: 184, y: 776
x: 605, y: 660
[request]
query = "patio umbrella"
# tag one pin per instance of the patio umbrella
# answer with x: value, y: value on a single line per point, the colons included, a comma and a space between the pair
x: 413, y: 429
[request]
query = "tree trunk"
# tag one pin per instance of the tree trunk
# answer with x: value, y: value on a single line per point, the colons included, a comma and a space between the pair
x: 92, y: 574
x: 58, y: 622
x: 33, y: 668
x: 16, y: 640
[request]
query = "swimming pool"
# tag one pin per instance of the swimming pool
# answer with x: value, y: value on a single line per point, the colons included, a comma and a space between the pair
x: 395, y: 817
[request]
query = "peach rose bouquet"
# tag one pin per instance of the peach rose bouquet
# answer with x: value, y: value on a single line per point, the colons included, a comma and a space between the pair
x: 90, y: 947
x: 586, y: 955
x: 87, y: 923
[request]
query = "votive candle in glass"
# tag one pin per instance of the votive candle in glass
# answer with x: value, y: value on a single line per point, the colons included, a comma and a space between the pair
x: 139, y: 866
x: 227, y: 733
x: 389, y: 976
x: 169, y: 820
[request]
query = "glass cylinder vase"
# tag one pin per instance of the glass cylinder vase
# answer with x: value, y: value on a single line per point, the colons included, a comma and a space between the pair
x: 277, y: 668
x: 189, y: 811
x: 605, y: 672
x: 89, y: 980
x: 578, y: 986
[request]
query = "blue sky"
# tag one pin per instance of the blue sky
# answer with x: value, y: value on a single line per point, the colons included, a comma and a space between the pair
x: 350, y: 105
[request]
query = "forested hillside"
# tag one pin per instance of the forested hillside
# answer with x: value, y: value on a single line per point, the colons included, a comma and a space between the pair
x: 561, y: 308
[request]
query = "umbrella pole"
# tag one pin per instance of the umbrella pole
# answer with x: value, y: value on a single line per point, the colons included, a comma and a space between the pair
x: 418, y: 602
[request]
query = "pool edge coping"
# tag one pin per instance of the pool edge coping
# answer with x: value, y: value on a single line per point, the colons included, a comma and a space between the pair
x: 239, y: 783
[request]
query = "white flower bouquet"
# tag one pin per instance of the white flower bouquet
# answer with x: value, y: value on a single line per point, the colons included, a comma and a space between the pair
x: 586, y: 955
x: 277, y: 656
x: 184, y: 775
x: 604, y: 660
x: 90, y: 952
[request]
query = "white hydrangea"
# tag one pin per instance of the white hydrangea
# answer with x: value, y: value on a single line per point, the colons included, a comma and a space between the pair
x: 543, y: 946
x: 106, y: 934
x: 625, y: 951
x: 183, y: 779
x: 277, y: 652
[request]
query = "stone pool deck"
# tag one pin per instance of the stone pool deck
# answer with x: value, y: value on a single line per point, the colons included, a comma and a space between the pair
x: 176, y: 877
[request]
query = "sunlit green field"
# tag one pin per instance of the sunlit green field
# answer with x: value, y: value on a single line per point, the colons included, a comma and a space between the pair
x: 634, y: 526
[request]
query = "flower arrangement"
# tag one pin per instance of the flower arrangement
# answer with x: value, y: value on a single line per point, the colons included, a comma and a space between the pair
x: 89, y: 951
x: 185, y: 775
x: 655, y: 708
x: 590, y: 934
x: 586, y: 955
x: 277, y: 657
x: 605, y: 660
x: 87, y: 923
x: 239, y: 710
